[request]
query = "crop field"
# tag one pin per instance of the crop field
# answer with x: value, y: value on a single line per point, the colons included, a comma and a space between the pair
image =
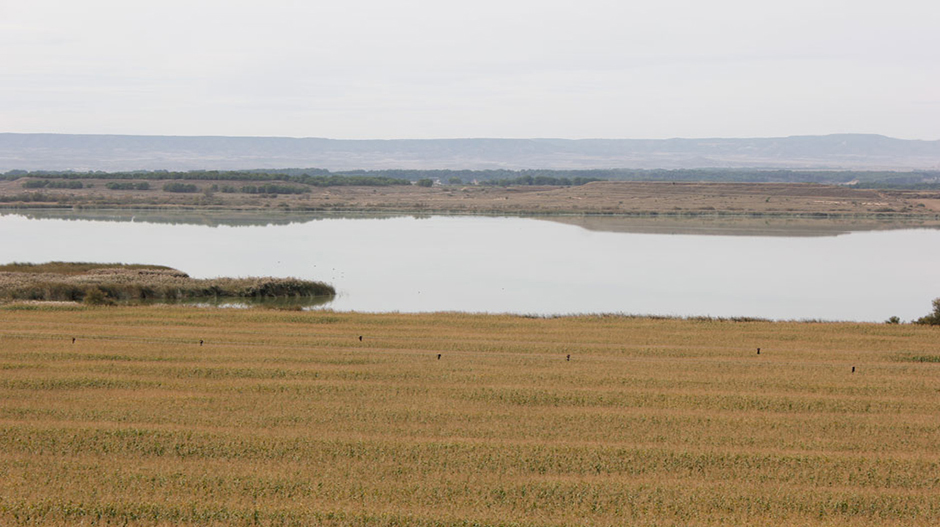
x: 158, y: 415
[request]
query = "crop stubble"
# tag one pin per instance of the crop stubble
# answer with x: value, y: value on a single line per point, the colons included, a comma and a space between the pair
x: 288, y: 418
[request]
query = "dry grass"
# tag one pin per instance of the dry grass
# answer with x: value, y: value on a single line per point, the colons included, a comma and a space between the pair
x: 74, y: 268
x: 286, y: 418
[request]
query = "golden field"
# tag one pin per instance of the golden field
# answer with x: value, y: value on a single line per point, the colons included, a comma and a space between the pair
x: 287, y: 418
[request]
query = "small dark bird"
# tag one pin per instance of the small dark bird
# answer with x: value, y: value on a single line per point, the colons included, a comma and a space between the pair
x: 568, y: 357
x: 200, y: 342
x: 438, y: 356
x: 360, y: 338
x: 73, y: 340
x: 758, y: 351
x: 853, y: 369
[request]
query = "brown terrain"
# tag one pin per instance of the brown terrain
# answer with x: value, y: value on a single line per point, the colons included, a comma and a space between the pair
x: 607, y: 198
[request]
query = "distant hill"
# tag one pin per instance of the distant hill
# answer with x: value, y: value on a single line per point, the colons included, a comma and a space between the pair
x: 135, y: 152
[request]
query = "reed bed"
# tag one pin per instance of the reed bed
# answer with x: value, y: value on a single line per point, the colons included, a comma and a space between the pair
x: 165, y: 415
x: 107, y: 283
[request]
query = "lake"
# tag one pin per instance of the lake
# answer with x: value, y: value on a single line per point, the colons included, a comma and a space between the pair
x: 565, y: 265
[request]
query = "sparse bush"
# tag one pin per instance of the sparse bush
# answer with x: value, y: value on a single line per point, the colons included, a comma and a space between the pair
x: 893, y: 320
x: 96, y: 297
x: 271, y: 188
x: 180, y: 187
x: 28, y: 197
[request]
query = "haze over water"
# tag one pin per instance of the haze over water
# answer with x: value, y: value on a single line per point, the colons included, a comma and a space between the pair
x: 525, y: 265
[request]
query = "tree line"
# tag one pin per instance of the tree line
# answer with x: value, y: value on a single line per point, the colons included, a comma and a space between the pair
x: 318, y: 177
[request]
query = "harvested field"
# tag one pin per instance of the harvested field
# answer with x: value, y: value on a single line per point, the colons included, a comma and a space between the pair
x: 288, y: 418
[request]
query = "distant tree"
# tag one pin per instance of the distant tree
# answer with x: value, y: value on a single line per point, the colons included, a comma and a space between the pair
x: 66, y: 184
x: 425, y: 182
x: 455, y: 181
x: 932, y: 319
x: 127, y: 185
x: 180, y: 187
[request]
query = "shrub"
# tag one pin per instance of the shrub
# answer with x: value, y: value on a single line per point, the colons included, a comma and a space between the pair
x: 65, y: 184
x: 426, y: 182
x: 96, y: 297
x: 271, y: 188
x: 180, y: 187
x: 45, y: 183
x: 893, y: 320
x: 127, y: 185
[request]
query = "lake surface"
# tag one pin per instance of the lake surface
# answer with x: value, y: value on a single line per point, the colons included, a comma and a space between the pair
x: 519, y: 265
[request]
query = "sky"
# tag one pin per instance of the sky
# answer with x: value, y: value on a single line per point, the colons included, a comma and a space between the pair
x: 379, y: 69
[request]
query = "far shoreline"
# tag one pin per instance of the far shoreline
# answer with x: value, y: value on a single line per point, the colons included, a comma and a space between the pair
x: 600, y: 198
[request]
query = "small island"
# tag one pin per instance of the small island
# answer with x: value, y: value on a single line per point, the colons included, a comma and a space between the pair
x: 105, y: 283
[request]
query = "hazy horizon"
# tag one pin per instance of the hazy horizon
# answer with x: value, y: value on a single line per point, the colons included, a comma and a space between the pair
x: 418, y: 69
x: 455, y: 138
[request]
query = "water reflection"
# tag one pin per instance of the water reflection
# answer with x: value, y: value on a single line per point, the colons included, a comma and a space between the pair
x: 304, y: 303
x: 522, y: 265
x: 704, y: 224
x: 744, y: 225
x: 208, y: 218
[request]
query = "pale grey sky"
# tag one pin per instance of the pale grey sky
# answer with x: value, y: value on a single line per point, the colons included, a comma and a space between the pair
x: 510, y: 68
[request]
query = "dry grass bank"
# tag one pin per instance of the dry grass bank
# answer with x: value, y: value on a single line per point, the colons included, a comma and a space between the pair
x: 288, y: 418
x: 106, y: 283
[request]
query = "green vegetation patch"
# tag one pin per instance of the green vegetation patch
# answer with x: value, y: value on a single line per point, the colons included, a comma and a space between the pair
x: 45, y: 183
x: 919, y: 358
x: 127, y: 185
x: 180, y: 188
x: 106, y: 283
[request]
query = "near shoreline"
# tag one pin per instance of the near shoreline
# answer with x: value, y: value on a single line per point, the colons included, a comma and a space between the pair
x: 107, y: 283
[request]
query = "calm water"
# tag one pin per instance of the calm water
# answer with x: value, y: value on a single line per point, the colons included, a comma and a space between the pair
x: 523, y: 265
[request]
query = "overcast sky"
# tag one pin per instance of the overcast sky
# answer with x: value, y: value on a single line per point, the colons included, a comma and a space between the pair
x: 509, y: 68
